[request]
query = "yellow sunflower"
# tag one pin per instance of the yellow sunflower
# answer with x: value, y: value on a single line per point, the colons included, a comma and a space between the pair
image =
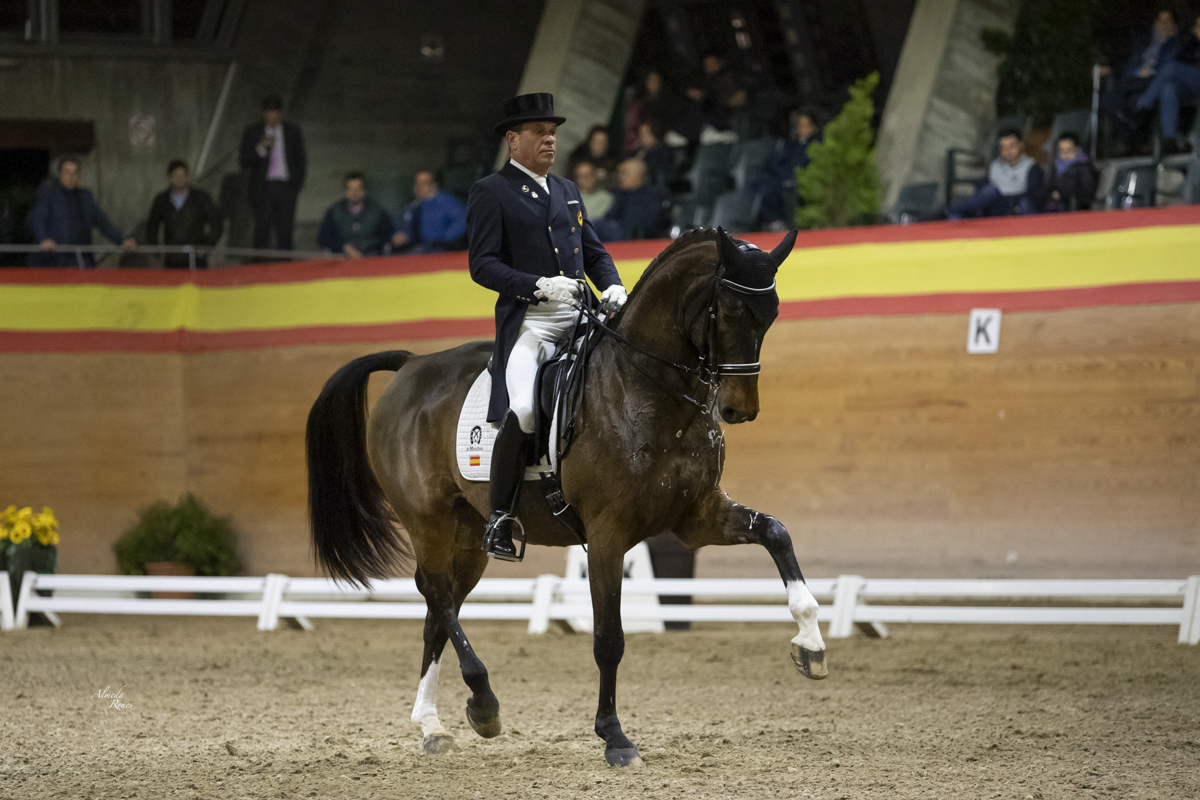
x: 20, y: 531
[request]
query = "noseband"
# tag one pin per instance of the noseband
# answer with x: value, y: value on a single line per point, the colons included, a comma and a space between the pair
x: 710, y: 335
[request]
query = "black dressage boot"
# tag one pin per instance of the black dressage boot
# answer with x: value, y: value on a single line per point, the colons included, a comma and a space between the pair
x: 508, y: 470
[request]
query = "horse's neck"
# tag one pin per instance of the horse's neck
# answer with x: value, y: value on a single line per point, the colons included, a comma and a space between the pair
x: 655, y: 317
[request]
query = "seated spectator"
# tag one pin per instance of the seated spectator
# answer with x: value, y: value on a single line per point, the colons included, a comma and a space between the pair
x: 1151, y: 53
x: 639, y: 211
x: 778, y: 180
x: 1178, y: 82
x: 724, y: 93
x: 1013, y: 185
x: 596, y: 199
x: 186, y: 215
x: 1071, y: 184
x: 64, y: 214
x: 356, y: 225
x: 660, y: 159
x: 595, y: 148
x: 434, y: 222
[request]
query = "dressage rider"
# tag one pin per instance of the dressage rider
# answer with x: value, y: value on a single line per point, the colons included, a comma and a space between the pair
x: 529, y: 239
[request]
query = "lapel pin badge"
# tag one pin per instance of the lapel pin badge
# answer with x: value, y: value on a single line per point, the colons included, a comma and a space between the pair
x: 534, y: 195
x: 524, y: 188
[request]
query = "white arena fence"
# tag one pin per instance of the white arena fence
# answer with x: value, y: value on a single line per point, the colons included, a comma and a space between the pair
x: 868, y: 603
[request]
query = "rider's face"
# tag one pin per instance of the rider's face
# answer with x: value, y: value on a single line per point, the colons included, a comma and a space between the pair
x: 533, y: 145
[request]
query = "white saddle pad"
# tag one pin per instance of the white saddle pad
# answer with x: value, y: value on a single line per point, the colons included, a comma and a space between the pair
x: 476, y: 435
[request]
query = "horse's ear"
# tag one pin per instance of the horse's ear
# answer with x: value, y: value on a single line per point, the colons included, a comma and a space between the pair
x: 781, y: 251
x: 731, y: 256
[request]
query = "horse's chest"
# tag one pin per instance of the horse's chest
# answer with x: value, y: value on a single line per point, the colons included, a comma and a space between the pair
x: 681, y: 464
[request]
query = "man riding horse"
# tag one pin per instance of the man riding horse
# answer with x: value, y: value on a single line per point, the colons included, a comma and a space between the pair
x: 681, y: 360
x: 539, y: 276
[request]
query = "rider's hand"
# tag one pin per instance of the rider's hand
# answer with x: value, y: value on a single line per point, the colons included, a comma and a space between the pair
x: 48, y: 244
x: 560, y: 289
x: 612, y: 299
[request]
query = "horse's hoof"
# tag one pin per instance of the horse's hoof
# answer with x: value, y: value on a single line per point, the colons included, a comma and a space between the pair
x: 439, y: 744
x: 810, y: 663
x: 624, y: 757
x: 487, y: 727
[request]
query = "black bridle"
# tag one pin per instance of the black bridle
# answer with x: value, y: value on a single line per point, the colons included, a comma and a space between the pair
x: 709, y: 370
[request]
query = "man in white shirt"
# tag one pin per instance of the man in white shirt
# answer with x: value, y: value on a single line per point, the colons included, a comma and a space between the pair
x: 1013, y: 186
x: 272, y: 151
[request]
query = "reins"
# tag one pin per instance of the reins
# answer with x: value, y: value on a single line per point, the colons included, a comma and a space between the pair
x: 709, y: 377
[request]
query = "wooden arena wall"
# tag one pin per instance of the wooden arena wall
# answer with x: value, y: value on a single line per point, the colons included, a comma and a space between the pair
x: 882, y: 444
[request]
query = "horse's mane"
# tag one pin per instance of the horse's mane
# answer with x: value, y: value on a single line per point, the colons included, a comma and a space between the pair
x: 685, y: 241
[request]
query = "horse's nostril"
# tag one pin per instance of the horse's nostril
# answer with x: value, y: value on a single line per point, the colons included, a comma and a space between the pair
x: 729, y: 414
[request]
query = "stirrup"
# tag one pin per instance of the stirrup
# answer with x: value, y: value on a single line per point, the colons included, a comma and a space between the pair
x: 490, y: 533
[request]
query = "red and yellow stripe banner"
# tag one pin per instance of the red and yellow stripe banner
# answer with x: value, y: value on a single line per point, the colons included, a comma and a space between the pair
x: 1033, y: 263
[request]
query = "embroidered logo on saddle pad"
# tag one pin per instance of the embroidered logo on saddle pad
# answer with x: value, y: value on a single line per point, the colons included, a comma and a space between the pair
x: 476, y: 435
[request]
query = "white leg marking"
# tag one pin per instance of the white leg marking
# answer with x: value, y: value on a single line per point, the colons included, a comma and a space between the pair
x: 804, y: 610
x: 424, y: 711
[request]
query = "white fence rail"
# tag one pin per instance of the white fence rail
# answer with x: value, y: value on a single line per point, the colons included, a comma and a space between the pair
x: 869, y: 604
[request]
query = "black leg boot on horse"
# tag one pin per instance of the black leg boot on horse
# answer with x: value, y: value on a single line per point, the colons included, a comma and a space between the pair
x: 508, y: 471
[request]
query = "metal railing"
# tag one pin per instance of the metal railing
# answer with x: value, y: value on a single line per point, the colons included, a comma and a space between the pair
x: 215, y: 255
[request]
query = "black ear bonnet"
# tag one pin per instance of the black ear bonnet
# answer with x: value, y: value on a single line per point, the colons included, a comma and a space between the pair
x: 750, y: 273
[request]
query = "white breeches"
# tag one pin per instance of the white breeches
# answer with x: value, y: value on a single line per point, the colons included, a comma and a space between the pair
x: 544, y: 332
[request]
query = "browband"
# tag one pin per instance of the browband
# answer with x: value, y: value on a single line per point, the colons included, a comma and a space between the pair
x: 737, y: 287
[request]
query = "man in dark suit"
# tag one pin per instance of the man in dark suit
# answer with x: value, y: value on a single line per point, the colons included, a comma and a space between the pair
x: 529, y: 239
x: 272, y: 151
x: 187, y: 215
x: 64, y: 214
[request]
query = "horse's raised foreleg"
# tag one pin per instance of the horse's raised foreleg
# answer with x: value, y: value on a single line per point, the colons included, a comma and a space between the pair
x: 718, y: 520
x: 608, y: 645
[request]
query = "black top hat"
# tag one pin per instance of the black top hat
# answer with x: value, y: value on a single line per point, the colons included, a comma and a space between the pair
x: 537, y: 107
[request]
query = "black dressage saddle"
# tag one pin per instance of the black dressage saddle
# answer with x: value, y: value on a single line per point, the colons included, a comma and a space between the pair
x: 559, y: 393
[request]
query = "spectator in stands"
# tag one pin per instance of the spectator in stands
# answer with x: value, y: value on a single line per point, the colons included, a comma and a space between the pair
x: 1013, y: 185
x: 660, y: 159
x: 596, y: 199
x: 660, y: 102
x: 637, y: 112
x: 595, y: 148
x: 1176, y: 83
x: 639, y: 211
x: 64, y: 214
x: 1150, y: 53
x: 186, y: 215
x: 724, y: 97
x: 434, y: 222
x: 356, y: 225
x: 272, y: 151
x: 1071, y: 183
x: 778, y: 180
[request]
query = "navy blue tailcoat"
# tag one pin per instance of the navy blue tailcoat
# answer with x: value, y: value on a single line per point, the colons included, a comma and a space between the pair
x: 515, y: 235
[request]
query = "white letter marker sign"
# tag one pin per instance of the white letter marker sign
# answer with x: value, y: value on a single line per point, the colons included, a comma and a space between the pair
x: 983, y: 336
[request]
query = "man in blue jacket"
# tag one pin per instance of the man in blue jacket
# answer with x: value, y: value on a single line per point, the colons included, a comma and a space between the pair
x: 64, y: 214
x: 433, y: 222
x: 530, y: 240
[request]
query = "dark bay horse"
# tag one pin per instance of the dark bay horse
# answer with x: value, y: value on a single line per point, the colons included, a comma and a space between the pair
x: 647, y: 459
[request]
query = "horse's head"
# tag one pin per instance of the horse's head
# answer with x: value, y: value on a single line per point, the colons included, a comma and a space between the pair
x: 746, y: 304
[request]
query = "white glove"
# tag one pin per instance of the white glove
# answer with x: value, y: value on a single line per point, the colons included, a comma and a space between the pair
x: 560, y: 289
x: 613, y: 298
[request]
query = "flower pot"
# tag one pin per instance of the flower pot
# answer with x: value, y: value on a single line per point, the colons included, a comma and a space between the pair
x: 170, y: 568
x: 20, y: 558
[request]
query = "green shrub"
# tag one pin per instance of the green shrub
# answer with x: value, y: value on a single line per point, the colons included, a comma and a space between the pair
x: 187, y: 534
x: 840, y: 185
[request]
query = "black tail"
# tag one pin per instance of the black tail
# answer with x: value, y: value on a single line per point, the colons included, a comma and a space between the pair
x: 352, y: 523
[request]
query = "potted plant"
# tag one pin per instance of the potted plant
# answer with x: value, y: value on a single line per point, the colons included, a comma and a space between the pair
x: 28, y: 541
x: 185, y: 539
